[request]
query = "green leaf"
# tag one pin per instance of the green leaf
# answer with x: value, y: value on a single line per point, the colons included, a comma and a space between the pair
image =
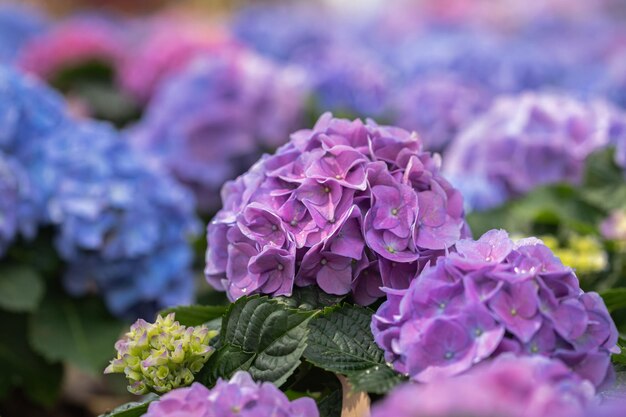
x: 78, y: 331
x: 603, y: 183
x: 134, y: 409
x: 21, y: 367
x: 21, y: 288
x: 543, y: 210
x: 196, y: 314
x: 341, y: 341
x: 330, y: 405
x: 262, y: 336
x: 311, y: 298
x: 614, y: 298
x: 601, y: 169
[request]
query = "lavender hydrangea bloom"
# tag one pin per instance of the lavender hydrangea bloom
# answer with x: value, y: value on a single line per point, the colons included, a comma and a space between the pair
x: 532, y: 139
x: 507, y: 387
x: 614, y: 406
x: 438, y: 108
x: 239, y: 397
x: 219, y: 112
x: 347, y: 206
x: 120, y: 226
x: 493, y: 296
x: 18, y: 25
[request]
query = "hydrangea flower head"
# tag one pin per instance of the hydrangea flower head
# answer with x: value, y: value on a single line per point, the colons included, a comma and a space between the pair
x: 478, y: 58
x: 238, y: 397
x: 346, y: 79
x: 492, y: 296
x: 72, y: 43
x: 438, y: 108
x: 509, y: 386
x: 532, y: 139
x: 162, y: 356
x: 346, y: 205
x: 120, y: 226
x: 283, y: 31
x: 219, y: 112
x: 166, y: 45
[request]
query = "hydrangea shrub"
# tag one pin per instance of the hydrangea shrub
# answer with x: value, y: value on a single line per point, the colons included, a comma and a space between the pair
x: 348, y: 206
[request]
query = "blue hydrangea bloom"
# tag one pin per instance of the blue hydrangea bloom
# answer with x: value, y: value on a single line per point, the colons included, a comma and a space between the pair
x: 18, y: 24
x: 478, y: 192
x: 347, y: 80
x: 499, y: 64
x: 120, y: 226
x: 12, y: 189
x: 281, y: 31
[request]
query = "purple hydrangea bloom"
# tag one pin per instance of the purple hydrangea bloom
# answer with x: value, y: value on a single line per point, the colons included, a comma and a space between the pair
x: 120, y: 226
x: 613, y: 406
x: 506, y: 387
x: 239, y: 397
x: 532, y: 139
x: 220, y: 113
x: 438, y: 108
x: 492, y: 296
x: 347, y: 206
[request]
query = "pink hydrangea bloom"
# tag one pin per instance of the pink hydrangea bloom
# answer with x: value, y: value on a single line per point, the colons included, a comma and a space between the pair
x: 163, y: 46
x: 72, y: 42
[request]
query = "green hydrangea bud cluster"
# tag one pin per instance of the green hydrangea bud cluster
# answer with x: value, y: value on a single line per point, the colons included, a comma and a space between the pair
x: 161, y: 356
